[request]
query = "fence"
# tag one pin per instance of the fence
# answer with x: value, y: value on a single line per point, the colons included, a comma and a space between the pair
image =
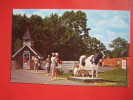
x: 69, y: 65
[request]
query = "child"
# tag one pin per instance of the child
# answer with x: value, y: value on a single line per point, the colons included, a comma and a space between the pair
x: 47, y: 64
x: 60, y: 64
x: 75, y: 71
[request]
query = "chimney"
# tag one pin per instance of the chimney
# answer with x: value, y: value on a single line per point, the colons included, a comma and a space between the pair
x: 33, y: 44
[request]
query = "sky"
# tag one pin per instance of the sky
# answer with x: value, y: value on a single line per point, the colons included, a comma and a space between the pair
x: 106, y: 25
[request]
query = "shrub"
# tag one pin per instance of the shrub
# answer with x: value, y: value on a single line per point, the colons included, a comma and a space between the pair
x: 71, y: 72
x: 60, y: 71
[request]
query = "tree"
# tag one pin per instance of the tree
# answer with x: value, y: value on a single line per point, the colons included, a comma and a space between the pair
x: 74, y: 20
x: 17, y: 44
x: 93, y: 45
x: 19, y: 24
x: 120, y: 47
x: 63, y: 34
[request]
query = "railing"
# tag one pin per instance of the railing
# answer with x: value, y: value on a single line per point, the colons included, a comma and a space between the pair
x: 66, y: 65
x: 69, y: 65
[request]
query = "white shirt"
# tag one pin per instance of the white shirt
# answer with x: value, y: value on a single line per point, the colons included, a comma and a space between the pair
x: 47, y: 64
x: 35, y: 60
x: 53, y: 60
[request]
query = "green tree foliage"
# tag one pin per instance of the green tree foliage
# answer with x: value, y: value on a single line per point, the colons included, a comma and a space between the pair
x: 19, y: 24
x: 17, y: 44
x: 93, y: 45
x: 62, y: 34
x: 120, y: 48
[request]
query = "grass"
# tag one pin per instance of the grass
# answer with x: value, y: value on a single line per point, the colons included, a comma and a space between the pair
x: 65, y: 75
x: 115, y: 77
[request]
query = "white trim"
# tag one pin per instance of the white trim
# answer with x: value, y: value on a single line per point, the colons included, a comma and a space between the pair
x: 22, y: 48
x: 34, y: 51
x: 18, y: 51
x: 28, y: 60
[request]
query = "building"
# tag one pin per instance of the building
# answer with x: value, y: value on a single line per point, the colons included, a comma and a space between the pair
x: 26, y: 51
x: 120, y: 62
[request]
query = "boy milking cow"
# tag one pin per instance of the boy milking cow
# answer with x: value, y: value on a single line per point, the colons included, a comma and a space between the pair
x: 90, y: 64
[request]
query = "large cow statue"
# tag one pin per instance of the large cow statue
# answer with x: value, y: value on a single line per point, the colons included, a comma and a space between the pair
x: 91, y: 63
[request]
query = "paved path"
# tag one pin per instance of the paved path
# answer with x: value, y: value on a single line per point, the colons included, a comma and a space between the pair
x: 27, y: 76
x: 105, y: 68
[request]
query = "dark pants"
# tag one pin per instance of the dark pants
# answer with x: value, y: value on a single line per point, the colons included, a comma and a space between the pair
x: 36, y: 67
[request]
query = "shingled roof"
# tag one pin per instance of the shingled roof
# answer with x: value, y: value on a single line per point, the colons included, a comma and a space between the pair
x: 27, y: 35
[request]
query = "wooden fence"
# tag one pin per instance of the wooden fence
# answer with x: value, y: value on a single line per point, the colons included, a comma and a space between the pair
x: 69, y: 65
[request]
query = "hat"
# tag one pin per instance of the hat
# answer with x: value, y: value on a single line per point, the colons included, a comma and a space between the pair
x: 53, y: 54
x: 56, y: 54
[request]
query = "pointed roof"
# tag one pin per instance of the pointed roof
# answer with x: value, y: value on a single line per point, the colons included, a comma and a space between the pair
x: 32, y: 49
x: 27, y: 34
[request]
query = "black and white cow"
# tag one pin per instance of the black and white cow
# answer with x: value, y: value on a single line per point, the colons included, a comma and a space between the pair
x: 91, y: 63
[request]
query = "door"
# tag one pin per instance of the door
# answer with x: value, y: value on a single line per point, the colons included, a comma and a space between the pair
x: 27, y: 56
x: 124, y: 64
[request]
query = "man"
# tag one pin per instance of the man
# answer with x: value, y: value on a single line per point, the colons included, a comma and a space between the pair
x: 36, y: 61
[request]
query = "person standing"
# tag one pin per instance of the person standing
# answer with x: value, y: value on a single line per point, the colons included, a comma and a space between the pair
x: 47, y: 64
x: 25, y: 63
x: 36, y: 61
x: 57, y: 64
x: 48, y: 59
x: 53, y: 66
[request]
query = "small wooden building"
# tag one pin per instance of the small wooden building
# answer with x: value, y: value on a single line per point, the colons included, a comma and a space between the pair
x: 26, y: 51
x: 121, y: 62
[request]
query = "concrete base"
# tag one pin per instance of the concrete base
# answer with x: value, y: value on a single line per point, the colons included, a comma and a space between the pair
x: 86, y: 79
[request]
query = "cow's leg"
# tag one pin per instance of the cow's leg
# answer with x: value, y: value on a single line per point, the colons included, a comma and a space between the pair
x: 96, y: 73
x: 92, y: 73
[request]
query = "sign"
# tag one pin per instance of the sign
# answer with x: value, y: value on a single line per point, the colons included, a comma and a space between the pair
x: 26, y: 51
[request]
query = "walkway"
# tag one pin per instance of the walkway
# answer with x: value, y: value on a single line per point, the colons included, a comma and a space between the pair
x: 27, y: 76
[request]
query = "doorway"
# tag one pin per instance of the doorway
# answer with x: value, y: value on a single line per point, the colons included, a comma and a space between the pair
x: 27, y: 56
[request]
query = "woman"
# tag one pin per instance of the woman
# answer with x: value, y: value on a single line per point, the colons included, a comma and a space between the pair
x: 53, y: 66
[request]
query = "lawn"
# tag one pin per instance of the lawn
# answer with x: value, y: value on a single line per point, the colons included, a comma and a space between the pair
x: 65, y: 75
x: 115, y: 77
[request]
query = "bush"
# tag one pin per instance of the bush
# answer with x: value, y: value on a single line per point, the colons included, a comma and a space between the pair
x: 60, y: 71
x: 71, y: 72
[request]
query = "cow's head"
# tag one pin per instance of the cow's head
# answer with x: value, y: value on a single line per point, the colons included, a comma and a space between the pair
x: 103, y: 54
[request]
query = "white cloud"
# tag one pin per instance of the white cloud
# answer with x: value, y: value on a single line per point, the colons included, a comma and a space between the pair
x: 108, y: 18
x: 118, y: 22
x: 43, y: 13
x: 47, y: 12
x: 98, y: 36
x: 18, y: 11
x: 106, y: 25
x: 21, y: 12
x: 110, y: 33
x: 114, y: 22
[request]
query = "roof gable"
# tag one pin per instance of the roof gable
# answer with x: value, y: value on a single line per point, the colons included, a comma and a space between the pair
x: 33, y: 50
